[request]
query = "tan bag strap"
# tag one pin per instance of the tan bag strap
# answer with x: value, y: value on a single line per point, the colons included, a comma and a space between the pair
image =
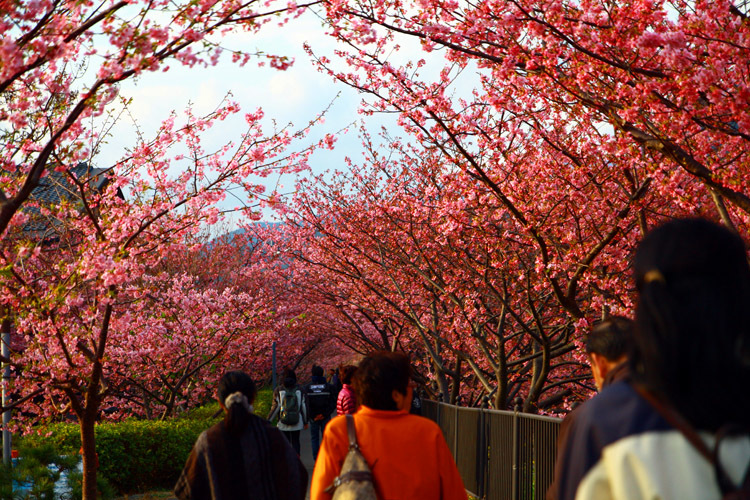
x: 351, y: 431
x: 356, y: 475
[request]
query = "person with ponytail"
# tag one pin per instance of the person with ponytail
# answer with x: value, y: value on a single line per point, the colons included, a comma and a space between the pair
x: 679, y: 427
x: 243, y: 456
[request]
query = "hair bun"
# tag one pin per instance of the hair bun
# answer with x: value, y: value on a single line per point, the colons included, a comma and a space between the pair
x: 237, y: 397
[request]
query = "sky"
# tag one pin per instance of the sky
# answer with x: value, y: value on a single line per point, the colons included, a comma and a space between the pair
x: 295, y: 95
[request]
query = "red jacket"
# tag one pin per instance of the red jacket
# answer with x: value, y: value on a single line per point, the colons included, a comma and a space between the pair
x: 347, y: 401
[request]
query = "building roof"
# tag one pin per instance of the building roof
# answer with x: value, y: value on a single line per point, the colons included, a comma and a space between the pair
x: 55, y: 187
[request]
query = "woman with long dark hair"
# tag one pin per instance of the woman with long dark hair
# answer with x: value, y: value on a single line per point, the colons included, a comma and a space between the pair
x: 678, y: 429
x: 243, y: 456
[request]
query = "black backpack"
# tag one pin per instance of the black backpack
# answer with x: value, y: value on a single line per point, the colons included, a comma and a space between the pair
x: 289, y: 414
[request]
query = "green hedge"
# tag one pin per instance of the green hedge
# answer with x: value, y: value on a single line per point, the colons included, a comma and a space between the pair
x: 136, y: 456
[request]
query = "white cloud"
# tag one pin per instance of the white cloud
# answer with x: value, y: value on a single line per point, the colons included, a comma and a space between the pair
x: 288, y: 90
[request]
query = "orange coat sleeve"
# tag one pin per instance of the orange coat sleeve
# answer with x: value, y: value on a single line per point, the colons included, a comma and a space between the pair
x: 451, y: 484
x: 331, y: 457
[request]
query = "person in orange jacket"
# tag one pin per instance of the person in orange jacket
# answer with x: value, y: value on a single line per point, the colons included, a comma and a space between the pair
x: 407, y: 454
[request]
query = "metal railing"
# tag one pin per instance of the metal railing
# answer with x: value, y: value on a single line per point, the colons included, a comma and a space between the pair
x: 501, y: 455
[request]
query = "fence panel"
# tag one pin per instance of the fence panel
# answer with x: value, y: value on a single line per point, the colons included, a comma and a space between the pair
x: 537, y: 450
x: 469, y: 449
x: 430, y: 409
x: 501, y: 455
x: 448, y: 420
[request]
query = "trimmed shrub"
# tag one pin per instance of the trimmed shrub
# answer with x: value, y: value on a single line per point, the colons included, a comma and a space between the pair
x: 136, y: 456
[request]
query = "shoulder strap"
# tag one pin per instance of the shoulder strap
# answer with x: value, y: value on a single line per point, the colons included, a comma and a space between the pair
x: 677, y: 421
x: 352, y: 475
x: 730, y: 430
x: 351, y: 431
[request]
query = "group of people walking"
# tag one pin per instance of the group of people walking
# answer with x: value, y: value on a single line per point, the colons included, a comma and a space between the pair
x: 671, y: 420
x: 297, y: 406
x: 407, y: 454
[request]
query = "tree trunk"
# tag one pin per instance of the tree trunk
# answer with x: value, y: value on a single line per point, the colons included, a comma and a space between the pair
x: 90, y: 460
x: 456, y: 385
x: 501, y: 376
x: 88, y: 414
x: 538, y: 378
x: 442, y: 383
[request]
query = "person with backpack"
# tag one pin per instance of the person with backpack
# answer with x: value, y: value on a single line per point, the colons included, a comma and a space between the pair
x: 321, y: 402
x: 679, y: 427
x: 242, y: 456
x: 382, y: 450
x: 289, y: 406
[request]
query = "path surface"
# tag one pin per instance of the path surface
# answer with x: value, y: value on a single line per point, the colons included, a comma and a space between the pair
x: 306, y: 456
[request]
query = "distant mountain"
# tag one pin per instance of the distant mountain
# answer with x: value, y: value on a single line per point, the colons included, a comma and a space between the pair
x: 228, y: 237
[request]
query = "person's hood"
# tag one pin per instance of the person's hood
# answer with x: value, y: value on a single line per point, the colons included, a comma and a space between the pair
x: 318, y: 380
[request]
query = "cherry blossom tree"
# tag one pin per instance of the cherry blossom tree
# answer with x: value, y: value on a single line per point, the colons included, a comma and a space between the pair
x: 180, y: 334
x: 588, y: 123
x: 413, y: 256
x: 667, y: 78
x: 82, y: 274
x: 61, y: 62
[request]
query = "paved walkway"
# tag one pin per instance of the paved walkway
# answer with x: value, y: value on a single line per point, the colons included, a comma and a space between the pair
x: 306, y: 456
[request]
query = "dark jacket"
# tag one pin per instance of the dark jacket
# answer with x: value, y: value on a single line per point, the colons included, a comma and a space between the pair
x: 259, y: 464
x: 620, y: 372
x: 320, y: 399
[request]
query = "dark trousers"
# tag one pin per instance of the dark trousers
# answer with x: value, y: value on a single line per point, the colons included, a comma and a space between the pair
x: 293, y: 437
x: 316, y: 433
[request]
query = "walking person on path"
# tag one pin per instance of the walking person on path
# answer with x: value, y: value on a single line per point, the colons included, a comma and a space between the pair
x: 335, y: 380
x: 321, y: 403
x: 289, y: 406
x: 243, y: 456
x: 607, y: 347
x: 407, y: 454
x: 347, y: 400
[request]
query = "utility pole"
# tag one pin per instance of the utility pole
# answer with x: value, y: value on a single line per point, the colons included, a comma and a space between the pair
x: 5, y: 395
x: 273, y: 365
